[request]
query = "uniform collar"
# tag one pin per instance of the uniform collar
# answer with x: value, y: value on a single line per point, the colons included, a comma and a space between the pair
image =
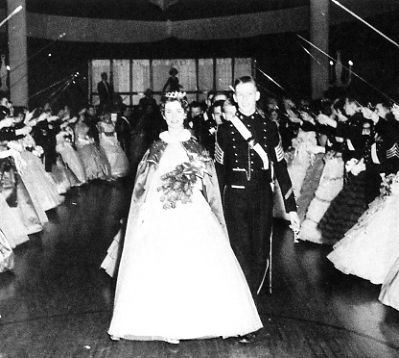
x: 244, y: 117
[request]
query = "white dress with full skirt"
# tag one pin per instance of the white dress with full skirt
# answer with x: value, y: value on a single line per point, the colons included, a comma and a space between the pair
x: 11, y: 224
x: 113, y: 151
x: 331, y: 183
x: 6, y: 254
x: 298, y: 161
x: 389, y: 294
x: 371, y: 247
x: 178, y: 277
x: 71, y: 160
x: 38, y: 183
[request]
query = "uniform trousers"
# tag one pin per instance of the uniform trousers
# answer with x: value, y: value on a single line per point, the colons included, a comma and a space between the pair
x: 248, y: 214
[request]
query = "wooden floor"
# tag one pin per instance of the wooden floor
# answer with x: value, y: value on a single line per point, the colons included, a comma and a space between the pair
x: 57, y: 302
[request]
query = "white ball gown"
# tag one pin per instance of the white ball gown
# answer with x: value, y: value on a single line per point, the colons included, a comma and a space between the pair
x: 94, y: 161
x: 6, y: 254
x: 371, y: 247
x: 113, y: 151
x: 11, y: 224
x: 304, y: 148
x: 178, y: 276
x: 70, y: 157
x: 389, y: 294
x: 330, y: 184
x: 40, y: 185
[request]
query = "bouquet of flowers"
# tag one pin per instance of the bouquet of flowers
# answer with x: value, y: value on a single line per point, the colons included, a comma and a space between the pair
x: 177, y: 185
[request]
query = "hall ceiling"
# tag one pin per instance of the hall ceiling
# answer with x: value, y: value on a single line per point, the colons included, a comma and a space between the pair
x: 148, y: 10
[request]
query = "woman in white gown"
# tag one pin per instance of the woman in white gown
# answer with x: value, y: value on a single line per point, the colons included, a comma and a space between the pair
x: 330, y: 183
x: 371, y: 247
x: 40, y: 186
x: 94, y: 161
x: 22, y: 198
x: 12, y: 229
x: 70, y: 157
x: 110, y: 146
x: 178, y: 277
x: 304, y: 148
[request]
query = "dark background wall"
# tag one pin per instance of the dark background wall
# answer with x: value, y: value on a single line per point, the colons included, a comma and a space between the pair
x: 271, y: 52
x: 280, y: 56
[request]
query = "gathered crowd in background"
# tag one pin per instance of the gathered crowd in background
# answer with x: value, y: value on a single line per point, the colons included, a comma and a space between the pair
x: 342, y: 155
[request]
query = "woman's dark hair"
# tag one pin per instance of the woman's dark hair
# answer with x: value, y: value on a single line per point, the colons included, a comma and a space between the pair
x: 218, y: 103
x: 339, y: 104
x: 322, y: 106
x: 174, y: 97
x: 19, y: 110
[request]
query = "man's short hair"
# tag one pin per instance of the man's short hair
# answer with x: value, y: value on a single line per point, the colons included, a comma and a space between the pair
x: 196, y: 104
x: 244, y: 79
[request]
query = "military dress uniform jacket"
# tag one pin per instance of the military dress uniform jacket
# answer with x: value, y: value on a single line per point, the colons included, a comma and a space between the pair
x: 386, y: 151
x: 242, y: 167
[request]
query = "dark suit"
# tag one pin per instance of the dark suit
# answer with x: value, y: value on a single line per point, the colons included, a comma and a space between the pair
x: 106, y: 93
x: 248, y: 196
x: 204, y: 131
x: 123, y: 131
x: 44, y: 135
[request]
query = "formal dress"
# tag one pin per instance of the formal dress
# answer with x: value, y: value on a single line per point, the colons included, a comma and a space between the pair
x: 113, y: 151
x: 11, y: 224
x: 76, y: 172
x: 20, y: 193
x: 389, y: 294
x: 59, y: 173
x: 94, y: 161
x: 371, y: 247
x: 38, y: 182
x: 178, y: 276
x: 299, y: 159
x: 330, y: 184
x: 6, y: 254
x: 352, y: 201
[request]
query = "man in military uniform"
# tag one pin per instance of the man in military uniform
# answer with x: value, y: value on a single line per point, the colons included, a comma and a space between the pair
x: 247, y: 171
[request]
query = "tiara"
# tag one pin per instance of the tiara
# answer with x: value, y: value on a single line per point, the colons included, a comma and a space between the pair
x: 175, y: 94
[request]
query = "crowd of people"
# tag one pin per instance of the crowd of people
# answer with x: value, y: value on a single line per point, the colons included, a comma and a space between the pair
x: 343, y: 160
x: 44, y: 153
x: 342, y: 156
x: 329, y: 166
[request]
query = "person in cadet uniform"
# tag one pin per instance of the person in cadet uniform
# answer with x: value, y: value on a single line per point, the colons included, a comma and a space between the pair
x: 246, y: 182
